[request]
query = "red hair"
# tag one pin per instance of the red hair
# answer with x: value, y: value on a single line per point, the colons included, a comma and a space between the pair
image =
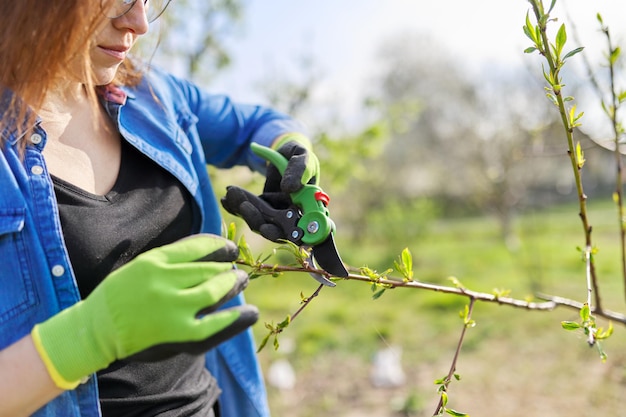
x: 38, y: 40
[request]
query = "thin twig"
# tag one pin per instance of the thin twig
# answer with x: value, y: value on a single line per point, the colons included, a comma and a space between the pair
x: 577, y: 305
x: 612, y: 115
x: 306, y: 301
x: 588, y: 263
x: 618, y: 157
x: 555, y: 63
x: 452, y: 371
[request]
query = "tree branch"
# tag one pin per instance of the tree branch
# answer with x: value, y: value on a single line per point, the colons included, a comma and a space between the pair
x: 549, y: 303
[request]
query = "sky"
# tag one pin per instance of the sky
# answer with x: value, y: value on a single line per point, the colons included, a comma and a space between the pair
x: 343, y: 37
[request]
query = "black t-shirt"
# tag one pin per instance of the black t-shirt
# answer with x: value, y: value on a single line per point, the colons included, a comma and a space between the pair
x: 146, y: 208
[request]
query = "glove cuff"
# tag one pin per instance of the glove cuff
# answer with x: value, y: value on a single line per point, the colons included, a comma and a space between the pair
x: 70, y: 347
x: 56, y: 377
x: 292, y: 137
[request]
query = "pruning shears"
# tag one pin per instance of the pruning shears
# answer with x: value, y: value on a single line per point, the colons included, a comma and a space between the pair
x: 307, y: 221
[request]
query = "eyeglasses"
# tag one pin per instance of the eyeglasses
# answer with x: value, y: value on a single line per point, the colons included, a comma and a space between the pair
x: 118, y: 8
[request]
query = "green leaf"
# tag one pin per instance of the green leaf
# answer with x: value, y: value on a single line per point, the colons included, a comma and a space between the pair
x: 585, y: 313
x: 529, y: 29
x: 441, y: 381
x: 231, y: 231
x: 464, y: 313
x: 501, y: 293
x: 573, y: 52
x: 368, y: 272
x: 373, y: 274
x: 407, y: 259
x: 580, y: 159
x: 573, y: 117
x: 570, y: 325
x: 614, y: 55
x: 599, y: 17
x: 378, y: 294
x: 444, y: 399
x: 264, y: 342
x: 552, y: 98
x: 456, y: 413
x: 601, y: 334
x: 283, y: 324
x: 548, y: 77
x: 530, y: 50
x: 244, y: 251
x: 456, y: 283
x: 405, y: 265
x: 561, y: 39
x: 572, y: 112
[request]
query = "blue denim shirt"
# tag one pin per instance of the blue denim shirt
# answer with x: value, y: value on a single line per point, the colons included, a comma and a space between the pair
x: 183, y: 130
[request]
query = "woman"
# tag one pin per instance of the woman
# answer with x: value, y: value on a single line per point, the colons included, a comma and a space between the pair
x: 103, y: 180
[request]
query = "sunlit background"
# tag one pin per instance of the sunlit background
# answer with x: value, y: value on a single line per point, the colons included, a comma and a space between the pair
x: 435, y: 135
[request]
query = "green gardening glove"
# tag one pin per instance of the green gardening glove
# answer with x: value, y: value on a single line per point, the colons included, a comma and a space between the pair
x: 303, y: 166
x: 161, y: 303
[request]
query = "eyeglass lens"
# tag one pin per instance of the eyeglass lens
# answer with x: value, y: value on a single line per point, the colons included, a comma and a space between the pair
x: 118, y: 8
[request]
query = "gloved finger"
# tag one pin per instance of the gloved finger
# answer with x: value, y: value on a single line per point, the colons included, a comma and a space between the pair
x: 186, y: 276
x: 228, y: 253
x: 189, y: 249
x: 232, y: 321
x: 272, y: 232
x: 294, y: 175
x: 235, y: 197
x: 252, y: 216
x: 272, y: 179
x: 260, y: 223
x: 251, y: 207
x: 244, y: 316
x: 277, y: 200
x: 291, y: 180
x: 213, y: 293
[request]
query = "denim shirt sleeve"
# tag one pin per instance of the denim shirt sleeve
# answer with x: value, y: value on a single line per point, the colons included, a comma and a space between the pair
x: 226, y: 128
x: 35, y: 278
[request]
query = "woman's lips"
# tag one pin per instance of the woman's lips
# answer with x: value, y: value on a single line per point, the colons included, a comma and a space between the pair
x: 117, y: 52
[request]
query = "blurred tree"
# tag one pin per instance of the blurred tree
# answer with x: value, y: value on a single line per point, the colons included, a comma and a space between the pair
x: 291, y: 93
x: 472, y: 146
x: 191, y: 37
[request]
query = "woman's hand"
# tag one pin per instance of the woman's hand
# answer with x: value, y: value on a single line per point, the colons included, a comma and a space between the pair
x: 161, y: 303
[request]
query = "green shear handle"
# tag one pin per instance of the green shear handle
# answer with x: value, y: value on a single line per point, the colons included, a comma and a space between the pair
x: 310, y: 199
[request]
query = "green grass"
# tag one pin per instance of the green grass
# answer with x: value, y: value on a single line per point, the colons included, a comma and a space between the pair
x: 344, y: 325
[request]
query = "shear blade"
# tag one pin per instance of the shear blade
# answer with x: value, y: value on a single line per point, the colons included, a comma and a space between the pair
x: 322, y: 279
x: 328, y: 258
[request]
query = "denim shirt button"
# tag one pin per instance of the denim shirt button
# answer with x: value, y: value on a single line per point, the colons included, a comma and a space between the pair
x: 58, y: 270
x: 37, y: 170
x: 36, y: 138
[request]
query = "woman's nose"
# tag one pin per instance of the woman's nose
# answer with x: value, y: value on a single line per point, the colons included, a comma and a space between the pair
x: 135, y: 19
